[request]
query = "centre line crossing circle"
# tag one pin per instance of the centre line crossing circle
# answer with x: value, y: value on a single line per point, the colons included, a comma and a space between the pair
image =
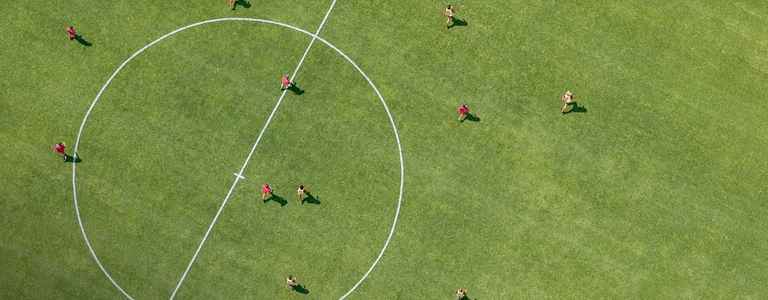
x: 314, y: 37
x: 253, y: 149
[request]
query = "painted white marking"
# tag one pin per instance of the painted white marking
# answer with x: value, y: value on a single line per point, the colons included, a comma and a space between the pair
x: 239, y: 176
x: 315, y: 36
x: 253, y: 150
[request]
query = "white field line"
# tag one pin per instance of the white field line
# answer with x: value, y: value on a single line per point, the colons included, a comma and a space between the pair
x: 253, y: 150
x: 263, y: 21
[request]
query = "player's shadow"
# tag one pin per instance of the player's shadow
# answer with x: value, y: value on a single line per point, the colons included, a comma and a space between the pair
x: 471, y: 117
x: 295, y: 89
x: 243, y: 3
x: 311, y: 199
x: 301, y: 289
x: 277, y: 199
x: 576, y: 108
x: 82, y: 41
x: 73, y: 159
x: 458, y: 23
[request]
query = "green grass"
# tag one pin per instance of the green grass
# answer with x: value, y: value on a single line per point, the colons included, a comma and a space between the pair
x: 656, y: 191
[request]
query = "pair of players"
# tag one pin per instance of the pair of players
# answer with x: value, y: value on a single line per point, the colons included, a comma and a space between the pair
x: 568, y: 100
x: 267, y: 192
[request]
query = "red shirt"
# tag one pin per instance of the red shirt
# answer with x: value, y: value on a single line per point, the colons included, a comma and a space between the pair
x: 71, y: 31
x: 286, y: 81
x: 59, y: 148
x: 463, y: 109
x: 266, y: 189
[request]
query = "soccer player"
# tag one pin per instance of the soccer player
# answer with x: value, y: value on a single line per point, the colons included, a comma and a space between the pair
x: 567, y: 99
x: 71, y: 32
x: 60, y: 149
x: 232, y: 4
x: 300, y: 193
x: 285, y: 82
x: 461, y: 294
x: 266, y: 190
x: 449, y: 14
x: 463, y: 112
x: 291, y: 282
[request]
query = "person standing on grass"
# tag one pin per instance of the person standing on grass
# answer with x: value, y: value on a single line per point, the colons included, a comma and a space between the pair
x: 301, y: 193
x: 232, y: 3
x: 463, y: 112
x: 266, y: 190
x: 71, y: 32
x: 449, y: 13
x: 61, y: 149
x: 461, y: 294
x: 291, y: 282
x: 567, y: 99
x: 285, y: 82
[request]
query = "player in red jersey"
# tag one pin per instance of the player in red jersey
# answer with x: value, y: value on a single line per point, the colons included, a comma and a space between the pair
x: 266, y: 190
x: 71, y: 32
x: 463, y: 112
x: 285, y: 82
x: 61, y: 149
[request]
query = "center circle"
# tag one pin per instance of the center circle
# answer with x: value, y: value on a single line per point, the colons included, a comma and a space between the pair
x: 262, y: 21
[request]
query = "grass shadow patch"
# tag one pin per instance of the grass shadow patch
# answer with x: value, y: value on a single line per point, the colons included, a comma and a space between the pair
x: 243, y: 3
x: 295, y: 89
x: 73, y: 159
x: 277, y: 199
x: 311, y: 199
x: 472, y: 117
x: 82, y: 41
x: 576, y: 108
x: 301, y: 289
x: 458, y: 23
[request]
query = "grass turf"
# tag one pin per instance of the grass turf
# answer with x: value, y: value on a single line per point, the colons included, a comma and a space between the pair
x: 656, y: 191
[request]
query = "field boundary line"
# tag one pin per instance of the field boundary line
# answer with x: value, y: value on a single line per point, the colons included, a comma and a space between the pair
x: 250, y: 155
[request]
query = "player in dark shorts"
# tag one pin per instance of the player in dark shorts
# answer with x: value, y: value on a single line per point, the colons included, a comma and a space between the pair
x: 266, y: 190
x: 463, y: 112
x: 71, y: 32
x: 285, y: 82
x: 61, y: 149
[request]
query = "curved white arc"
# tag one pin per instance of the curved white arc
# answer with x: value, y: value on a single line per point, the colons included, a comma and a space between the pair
x: 315, y: 36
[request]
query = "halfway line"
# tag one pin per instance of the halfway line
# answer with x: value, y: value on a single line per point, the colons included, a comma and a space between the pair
x: 248, y: 159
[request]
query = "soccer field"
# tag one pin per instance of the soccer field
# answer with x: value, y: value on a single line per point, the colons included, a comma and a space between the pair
x: 653, y: 187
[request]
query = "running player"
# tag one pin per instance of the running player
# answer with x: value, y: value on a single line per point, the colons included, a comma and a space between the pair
x: 461, y: 294
x: 266, y: 190
x: 60, y: 149
x: 71, y: 32
x: 291, y: 282
x: 285, y: 82
x: 567, y: 99
x: 449, y: 13
x: 463, y: 112
x: 232, y: 4
x: 300, y: 193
